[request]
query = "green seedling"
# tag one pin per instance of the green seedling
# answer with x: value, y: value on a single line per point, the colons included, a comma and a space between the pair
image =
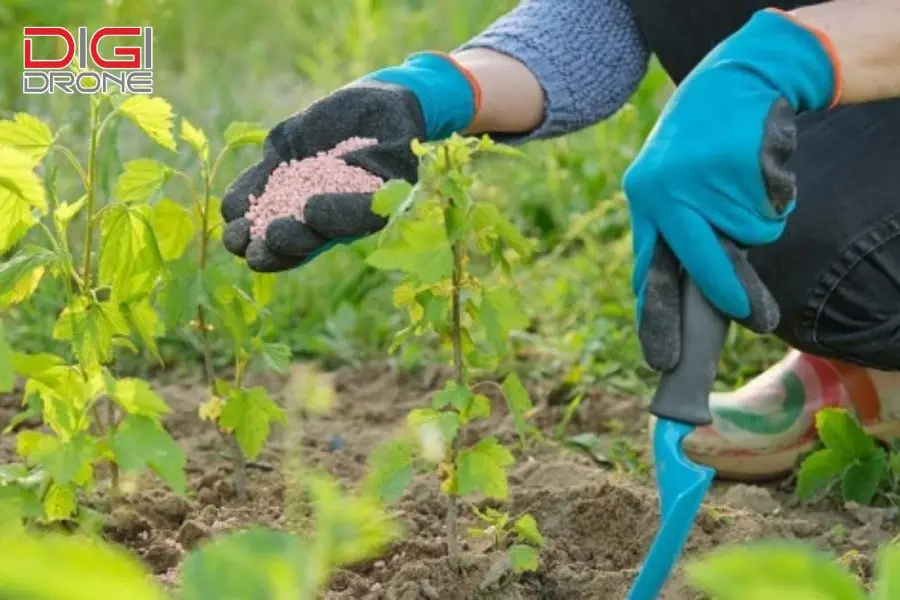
x: 788, y: 570
x: 456, y: 254
x: 92, y: 418
x: 850, y: 460
x: 520, y: 538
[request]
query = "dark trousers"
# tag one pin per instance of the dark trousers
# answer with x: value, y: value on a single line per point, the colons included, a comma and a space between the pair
x: 836, y: 270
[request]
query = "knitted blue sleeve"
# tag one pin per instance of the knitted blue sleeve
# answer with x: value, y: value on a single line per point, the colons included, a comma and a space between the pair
x: 588, y: 56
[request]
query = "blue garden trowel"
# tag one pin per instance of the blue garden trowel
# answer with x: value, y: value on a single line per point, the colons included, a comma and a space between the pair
x: 681, y: 403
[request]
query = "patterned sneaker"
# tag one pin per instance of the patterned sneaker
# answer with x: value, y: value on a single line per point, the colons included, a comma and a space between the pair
x: 760, y: 430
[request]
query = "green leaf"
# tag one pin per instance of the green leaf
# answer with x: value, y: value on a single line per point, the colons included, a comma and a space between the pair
x: 277, y: 356
x: 862, y: 478
x: 479, y: 407
x: 255, y: 563
x: 840, y: 432
x: 7, y: 375
x: 154, y: 116
x: 390, y: 471
x: 91, y: 327
x: 59, y: 502
x: 83, y: 568
x: 144, y: 320
x: 764, y: 570
x: 17, y: 176
x: 887, y: 586
x: 66, y: 461
x: 65, y: 212
x: 523, y: 558
x: 242, y: 134
x: 519, y: 403
x: 174, y: 228
x: 263, y: 287
x: 390, y: 197
x: 195, y: 138
x: 140, y: 442
x: 452, y: 395
x: 249, y: 415
x: 527, y: 528
x: 141, y: 179
x: 182, y: 292
x: 482, y: 469
x: 215, y: 225
x: 348, y: 529
x: 129, y: 256
x: 422, y: 251
x: 21, y: 274
x: 136, y: 397
x: 27, y: 134
x: 818, y: 470
x: 17, y: 219
x: 487, y: 220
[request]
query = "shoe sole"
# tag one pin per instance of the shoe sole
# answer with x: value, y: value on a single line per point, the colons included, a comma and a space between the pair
x: 773, y: 465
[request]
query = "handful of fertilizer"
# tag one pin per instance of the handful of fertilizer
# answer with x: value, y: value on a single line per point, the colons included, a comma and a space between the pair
x: 293, y: 183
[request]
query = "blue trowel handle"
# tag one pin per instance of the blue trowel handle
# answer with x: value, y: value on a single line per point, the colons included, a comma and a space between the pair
x: 683, y: 393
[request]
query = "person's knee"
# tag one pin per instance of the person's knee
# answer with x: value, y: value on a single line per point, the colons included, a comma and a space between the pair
x: 850, y: 309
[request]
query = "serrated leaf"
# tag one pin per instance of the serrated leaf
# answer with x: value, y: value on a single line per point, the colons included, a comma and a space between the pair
x: 65, y: 212
x: 59, y: 502
x: 862, y: 478
x: 139, y: 442
x: 840, y: 432
x: 17, y: 176
x: 390, y: 197
x: 248, y: 414
x: 91, y: 327
x: 7, y: 375
x: 195, y: 138
x: 519, y: 403
x: 136, y: 397
x: 763, y: 570
x: 390, y: 471
x: 277, y: 356
x: 182, y: 291
x: 141, y: 179
x: 452, y: 395
x: 254, y: 563
x: 146, y: 323
x: 17, y: 219
x: 523, y: 558
x: 130, y: 261
x: 482, y: 469
x: 66, y: 460
x: 21, y: 274
x: 422, y: 250
x: 479, y: 407
x: 27, y: 134
x: 527, y: 528
x: 241, y: 134
x: 83, y: 569
x: 154, y: 116
x: 174, y: 228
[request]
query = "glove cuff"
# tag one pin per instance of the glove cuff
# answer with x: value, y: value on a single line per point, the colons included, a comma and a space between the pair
x: 448, y: 93
x: 797, y: 59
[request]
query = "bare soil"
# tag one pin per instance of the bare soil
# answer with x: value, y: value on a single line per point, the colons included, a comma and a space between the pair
x: 597, y: 520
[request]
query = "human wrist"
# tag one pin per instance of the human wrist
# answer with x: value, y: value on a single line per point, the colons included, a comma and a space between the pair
x: 448, y: 94
x: 797, y: 59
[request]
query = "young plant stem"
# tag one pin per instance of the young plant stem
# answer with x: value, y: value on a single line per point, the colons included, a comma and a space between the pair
x: 237, y: 457
x: 456, y: 324
x: 90, y: 205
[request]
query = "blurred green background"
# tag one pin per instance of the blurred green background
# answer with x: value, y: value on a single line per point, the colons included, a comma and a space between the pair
x: 219, y: 62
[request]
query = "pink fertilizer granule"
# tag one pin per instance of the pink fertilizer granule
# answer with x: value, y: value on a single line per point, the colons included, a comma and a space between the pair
x: 291, y: 184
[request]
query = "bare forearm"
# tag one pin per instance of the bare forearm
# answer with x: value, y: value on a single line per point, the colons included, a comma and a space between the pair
x: 865, y: 35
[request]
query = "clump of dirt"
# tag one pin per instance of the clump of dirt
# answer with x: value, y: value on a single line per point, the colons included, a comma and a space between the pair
x: 597, y: 520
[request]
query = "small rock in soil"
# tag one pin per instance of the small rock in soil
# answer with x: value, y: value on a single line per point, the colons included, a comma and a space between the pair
x: 192, y: 533
x: 209, y: 514
x: 162, y: 556
x: 871, y: 515
x: 336, y: 443
x: 173, y: 509
x: 209, y: 479
x: 125, y: 524
x: 751, y: 497
x: 206, y: 496
x: 224, y: 489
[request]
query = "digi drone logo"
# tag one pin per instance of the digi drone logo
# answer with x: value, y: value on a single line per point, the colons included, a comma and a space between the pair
x: 131, y: 71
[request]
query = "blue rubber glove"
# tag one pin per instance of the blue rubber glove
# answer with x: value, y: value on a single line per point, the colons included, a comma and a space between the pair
x: 713, y: 171
x: 428, y: 97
